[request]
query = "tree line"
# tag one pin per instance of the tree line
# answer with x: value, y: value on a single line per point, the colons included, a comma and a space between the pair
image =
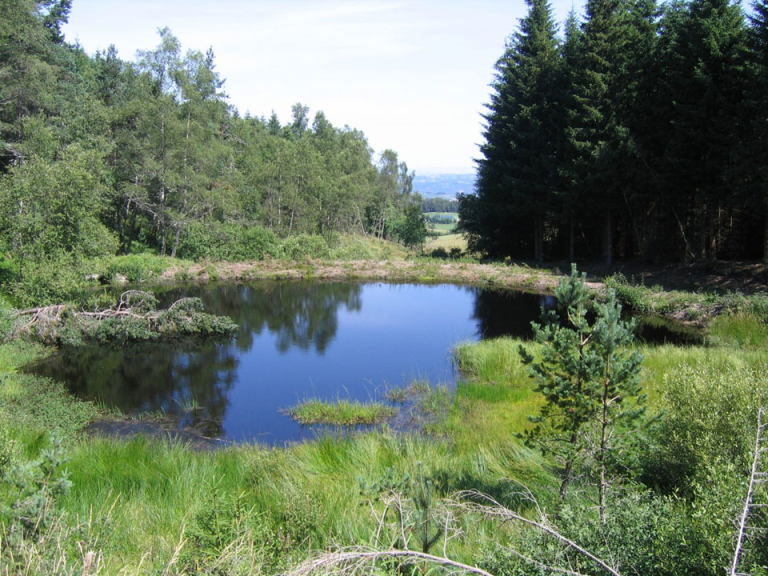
x: 640, y: 133
x: 439, y: 205
x: 100, y: 155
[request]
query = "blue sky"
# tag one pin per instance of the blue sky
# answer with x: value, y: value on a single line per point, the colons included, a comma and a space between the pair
x: 412, y: 74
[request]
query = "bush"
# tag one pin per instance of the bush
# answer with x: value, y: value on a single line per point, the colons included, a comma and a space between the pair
x: 305, y: 246
x: 231, y: 242
x: 51, y: 282
x: 6, y: 320
x: 352, y: 249
x: 710, y: 414
x: 137, y: 267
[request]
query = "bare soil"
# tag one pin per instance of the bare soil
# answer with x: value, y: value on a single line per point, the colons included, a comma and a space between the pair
x: 719, y: 277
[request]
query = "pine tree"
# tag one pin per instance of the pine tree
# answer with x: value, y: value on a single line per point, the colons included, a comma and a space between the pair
x: 589, y: 379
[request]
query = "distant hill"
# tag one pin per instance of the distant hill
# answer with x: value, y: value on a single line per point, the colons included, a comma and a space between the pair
x: 444, y: 185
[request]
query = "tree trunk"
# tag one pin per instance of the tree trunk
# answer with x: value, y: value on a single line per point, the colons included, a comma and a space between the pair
x: 538, y: 240
x: 571, y: 241
x: 608, y: 239
x: 765, y: 235
x: 175, y: 241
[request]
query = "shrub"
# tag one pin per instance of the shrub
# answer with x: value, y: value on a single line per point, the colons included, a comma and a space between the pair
x: 231, y: 242
x: 137, y: 267
x: 305, y: 246
x: 51, y: 282
x: 710, y: 413
x: 6, y: 320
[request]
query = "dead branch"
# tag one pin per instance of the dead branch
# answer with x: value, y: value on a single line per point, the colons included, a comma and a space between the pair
x: 352, y: 561
x: 754, y: 477
x: 45, y: 320
x: 496, y: 510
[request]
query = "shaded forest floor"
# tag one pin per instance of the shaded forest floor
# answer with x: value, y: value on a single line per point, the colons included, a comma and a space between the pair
x: 748, y: 277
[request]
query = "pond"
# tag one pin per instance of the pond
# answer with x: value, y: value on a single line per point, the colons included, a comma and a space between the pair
x: 296, y: 341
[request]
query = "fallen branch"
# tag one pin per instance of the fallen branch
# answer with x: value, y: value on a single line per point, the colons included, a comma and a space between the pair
x: 184, y: 317
x: 496, y: 510
x: 352, y: 561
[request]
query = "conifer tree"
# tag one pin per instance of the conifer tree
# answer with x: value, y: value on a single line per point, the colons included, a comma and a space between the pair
x: 598, y: 133
x: 758, y: 146
x: 589, y: 379
x: 517, y: 176
x: 707, y: 82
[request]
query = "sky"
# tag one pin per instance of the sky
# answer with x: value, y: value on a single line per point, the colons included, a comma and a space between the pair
x: 413, y: 75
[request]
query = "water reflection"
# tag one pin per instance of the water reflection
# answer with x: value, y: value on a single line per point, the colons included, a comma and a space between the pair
x: 187, y: 381
x: 296, y: 340
x: 300, y: 314
x: 504, y: 313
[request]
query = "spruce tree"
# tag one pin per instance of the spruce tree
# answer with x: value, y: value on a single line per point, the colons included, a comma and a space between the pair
x: 708, y: 86
x: 758, y: 99
x: 598, y: 134
x: 517, y: 176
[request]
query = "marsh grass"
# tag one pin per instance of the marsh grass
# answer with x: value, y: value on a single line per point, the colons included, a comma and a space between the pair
x: 738, y: 330
x: 341, y: 412
x: 35, y: 404
x: 272, y: 505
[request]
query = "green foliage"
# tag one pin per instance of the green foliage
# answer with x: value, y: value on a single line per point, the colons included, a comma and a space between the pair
x: 35, y: 487
x: 230, y: 242
x: 137, y: 267
x: 588, y: 377
x: 6, y: 320
x: 411, y: 229
x: 718, y: 427
x: 52, y: 281
x: 304, y: 246
x: 341, y: 413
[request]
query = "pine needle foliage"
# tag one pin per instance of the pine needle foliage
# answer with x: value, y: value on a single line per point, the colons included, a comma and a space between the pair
x: 589, y: 377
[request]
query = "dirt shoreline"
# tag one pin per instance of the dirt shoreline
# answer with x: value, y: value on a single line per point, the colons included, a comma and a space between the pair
x: 715, y: 277
x: 498, y: 275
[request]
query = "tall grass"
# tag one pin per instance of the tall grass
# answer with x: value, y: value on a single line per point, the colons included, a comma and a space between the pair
x: 306, y: 496
x: 341, y: 412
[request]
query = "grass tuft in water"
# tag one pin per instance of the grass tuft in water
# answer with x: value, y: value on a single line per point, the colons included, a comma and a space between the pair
x: 341, y: 412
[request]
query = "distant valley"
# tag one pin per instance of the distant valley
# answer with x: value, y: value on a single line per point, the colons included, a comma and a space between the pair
x: 444, y: 185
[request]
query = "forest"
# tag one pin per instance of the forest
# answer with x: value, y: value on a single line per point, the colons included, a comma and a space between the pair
x: 638, y: 134
x: 100, y: 156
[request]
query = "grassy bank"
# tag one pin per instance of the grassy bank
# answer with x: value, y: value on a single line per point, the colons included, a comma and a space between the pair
x: 145, y: 507
x: 107, y: 506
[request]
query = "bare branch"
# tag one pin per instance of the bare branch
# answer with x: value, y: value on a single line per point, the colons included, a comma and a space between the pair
x: 753, y: 479
x: 351, y: 561
x: 496, y: 510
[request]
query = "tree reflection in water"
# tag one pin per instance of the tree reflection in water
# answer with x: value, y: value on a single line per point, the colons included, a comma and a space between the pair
x: 191, y: 381
x: 295, y: 340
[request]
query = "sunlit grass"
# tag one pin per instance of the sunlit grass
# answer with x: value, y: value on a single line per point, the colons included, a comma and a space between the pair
x: 447, y: 241
x: 341, y: 412
x: 738, y: 330
x: 318, y: 493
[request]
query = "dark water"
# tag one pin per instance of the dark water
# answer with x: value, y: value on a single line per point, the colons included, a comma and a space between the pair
x: 296, y: 341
